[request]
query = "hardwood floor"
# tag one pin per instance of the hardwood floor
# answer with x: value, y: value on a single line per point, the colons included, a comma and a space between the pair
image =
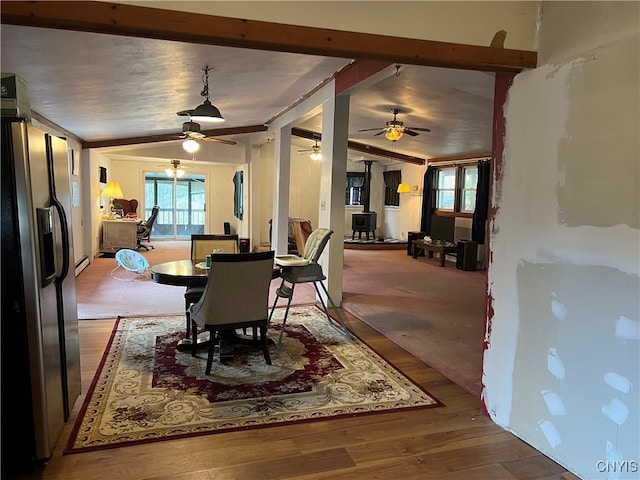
x: 456, y: 441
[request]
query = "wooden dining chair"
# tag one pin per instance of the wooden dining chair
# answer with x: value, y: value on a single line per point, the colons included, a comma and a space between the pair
x: 201, y: 246
x: 236, y: 296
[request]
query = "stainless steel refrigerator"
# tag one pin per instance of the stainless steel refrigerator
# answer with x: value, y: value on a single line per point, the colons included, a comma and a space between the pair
x: 40, y: 350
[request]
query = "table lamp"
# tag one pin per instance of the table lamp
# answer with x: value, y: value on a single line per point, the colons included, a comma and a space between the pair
x: 112, y: 190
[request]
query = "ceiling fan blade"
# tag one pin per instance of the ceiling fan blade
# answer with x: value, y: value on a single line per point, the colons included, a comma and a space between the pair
x: 219, y: 140
x: 369, y: 129
x: 380, y: 133
x: 418, y: 129
x: 409, y: 132
x: 184, y: 113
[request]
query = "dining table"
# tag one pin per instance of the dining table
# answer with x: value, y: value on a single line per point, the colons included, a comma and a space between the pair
x: 190, y: 273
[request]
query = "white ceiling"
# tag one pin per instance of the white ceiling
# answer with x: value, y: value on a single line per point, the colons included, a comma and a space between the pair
x: 103, y: 87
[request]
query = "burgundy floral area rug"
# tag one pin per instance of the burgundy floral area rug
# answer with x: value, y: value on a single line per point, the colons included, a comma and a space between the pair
x: 145, y: 390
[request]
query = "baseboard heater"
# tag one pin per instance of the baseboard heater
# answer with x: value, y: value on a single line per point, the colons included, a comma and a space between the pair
x: 81, y: 265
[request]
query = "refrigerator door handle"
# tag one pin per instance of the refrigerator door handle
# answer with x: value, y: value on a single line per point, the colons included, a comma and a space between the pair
x: 62, y: 217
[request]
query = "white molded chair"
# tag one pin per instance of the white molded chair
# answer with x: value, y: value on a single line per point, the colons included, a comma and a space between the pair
x: 312, y: 272
x: 236, y: 296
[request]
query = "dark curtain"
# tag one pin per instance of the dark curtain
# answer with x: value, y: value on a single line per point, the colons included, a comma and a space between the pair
x: 355, y: 179
x: 392, y: 179
x: 428, y: 201
x: 478, y: 227
x: 237, y: 195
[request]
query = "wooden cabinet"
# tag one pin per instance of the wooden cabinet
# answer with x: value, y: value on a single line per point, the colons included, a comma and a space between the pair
x: 118, y: 234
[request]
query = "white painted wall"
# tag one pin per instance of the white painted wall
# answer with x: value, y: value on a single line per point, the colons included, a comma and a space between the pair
x: 130, y: 175
x: 561, y: 368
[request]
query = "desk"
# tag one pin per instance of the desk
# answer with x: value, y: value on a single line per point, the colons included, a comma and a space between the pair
x: 184, y: 273
x: 442, y: 249
x: 118, y: 234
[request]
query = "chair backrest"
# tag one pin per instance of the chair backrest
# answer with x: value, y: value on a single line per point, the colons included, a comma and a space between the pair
x: 128, y: 206
x: 238, y: 288
x: 301, y: 230
x: 144, y: 229
x: 203, y: 244
x: 152, y: 218
x: 315, y: 244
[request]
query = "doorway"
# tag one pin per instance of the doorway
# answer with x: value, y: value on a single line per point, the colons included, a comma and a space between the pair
x: 182, y: 204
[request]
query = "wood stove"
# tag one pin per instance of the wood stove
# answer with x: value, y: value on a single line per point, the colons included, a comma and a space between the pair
x: 366, y: 220
x: 363, y: 222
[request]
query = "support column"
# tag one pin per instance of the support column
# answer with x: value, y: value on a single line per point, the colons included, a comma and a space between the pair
x: 333, y: 177
x: 282, y: 176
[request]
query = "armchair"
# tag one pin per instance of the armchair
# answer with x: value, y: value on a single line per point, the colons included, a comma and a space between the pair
x: 129, y: 207
x: 144, y: 229
x: 236, y: 296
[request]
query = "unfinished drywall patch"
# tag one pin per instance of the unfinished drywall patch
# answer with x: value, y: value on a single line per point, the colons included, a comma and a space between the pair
x: 592, y: 151
x: 580, y: 348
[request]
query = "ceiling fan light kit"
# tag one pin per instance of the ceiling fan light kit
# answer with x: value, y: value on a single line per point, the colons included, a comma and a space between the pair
x: 393, y: 134
x: 394, y: 129
x: 315, y: 152
x: 174, y: 171
x: 190, y: 145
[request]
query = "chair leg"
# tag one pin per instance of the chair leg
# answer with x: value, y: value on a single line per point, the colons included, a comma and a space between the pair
x: 343, y: 328
x: 194, y: 338
x: 284, y: 320
x: 212, y: 341
x: 265, y: 344
x: 186, y: 309
x: 275, y: 302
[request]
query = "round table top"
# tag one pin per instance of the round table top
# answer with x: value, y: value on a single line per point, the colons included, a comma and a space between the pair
x: 182, y: 273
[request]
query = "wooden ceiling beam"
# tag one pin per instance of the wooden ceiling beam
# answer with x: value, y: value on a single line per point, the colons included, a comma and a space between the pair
x: 361, y: 147
x: 129, y: 20
x: 168, y: 137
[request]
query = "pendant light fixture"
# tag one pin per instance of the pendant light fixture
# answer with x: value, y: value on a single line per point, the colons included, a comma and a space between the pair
x: 206, y: 112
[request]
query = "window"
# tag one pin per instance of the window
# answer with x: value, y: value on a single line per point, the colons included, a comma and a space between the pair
x: 392, y: 179
x: 455, y: 188
x: 181, y: 201
x: 468, y: 190
x: 353, y: 190
x: 446, y: 189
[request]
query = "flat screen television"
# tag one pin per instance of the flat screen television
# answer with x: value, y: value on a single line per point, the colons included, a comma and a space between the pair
x: 442, y: 228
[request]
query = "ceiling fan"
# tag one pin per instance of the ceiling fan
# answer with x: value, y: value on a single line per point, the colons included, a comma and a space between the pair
x: 175, y: 170
x: 191, y: 131
x: 315, y: 151
x: 395, y: 129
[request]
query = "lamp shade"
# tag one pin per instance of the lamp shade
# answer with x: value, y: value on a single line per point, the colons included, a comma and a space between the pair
x: 112, y: 190
x: 206, y: 113
x: 404, y: 188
